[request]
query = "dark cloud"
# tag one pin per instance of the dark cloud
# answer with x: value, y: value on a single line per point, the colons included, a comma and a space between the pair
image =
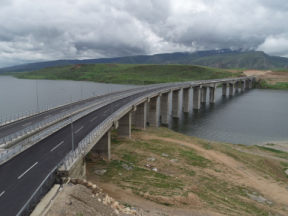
x: 32, y: 31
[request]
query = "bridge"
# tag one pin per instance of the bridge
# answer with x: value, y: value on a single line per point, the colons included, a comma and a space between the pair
x: 36, y: 146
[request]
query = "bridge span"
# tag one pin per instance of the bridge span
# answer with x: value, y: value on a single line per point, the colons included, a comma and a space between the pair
x: 28, y: 169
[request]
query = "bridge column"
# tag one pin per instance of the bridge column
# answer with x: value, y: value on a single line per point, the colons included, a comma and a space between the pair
x: 247, y: 84
x: 186, y: 99
x: 175, y: 103
x: 124, y: 128
x: 203, y: 94
x: 196, y: 97
x: 242, y: 86
x: 140, y: 116
x: 147, y: 111
x: 133, y: 113
x: 153, y: 112
x: 212, y: 92
x: 164, y: 108
x: 231, y: 89
x: 224, y: 89
x: 103, y: 146
x: 236, y: 86
x: 250, y: 84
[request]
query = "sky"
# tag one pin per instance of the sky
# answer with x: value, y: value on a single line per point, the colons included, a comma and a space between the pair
x: 41, y: 30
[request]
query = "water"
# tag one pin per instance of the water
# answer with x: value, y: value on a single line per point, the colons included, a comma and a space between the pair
x: 253, y: 117
x: 20, y: 95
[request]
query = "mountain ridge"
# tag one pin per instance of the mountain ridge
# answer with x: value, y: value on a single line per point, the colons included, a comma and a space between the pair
x: 224, y: 58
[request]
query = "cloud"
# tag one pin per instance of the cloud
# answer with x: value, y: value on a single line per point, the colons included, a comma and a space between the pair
x: 32, y: 31
x: 277, y: 45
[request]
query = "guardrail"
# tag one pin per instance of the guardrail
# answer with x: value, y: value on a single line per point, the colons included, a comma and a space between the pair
x: 38, y: 126
x: 7, y: 154
x: 17, y: 117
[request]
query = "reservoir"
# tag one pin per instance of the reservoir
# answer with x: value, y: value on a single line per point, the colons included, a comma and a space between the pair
x: 254, y: 117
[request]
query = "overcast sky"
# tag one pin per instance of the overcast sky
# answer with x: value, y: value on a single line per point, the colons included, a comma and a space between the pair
x: 41, y: 30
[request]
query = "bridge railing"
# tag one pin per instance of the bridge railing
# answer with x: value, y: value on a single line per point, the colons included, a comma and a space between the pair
x: 23, y: 115
x: 51, y: 120
x: 19, y: 147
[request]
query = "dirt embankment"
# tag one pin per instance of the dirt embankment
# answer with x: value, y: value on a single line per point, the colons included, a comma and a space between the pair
x: 269, y: 76
x: 161, y: 172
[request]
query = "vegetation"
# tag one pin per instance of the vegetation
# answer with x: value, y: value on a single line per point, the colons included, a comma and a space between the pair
x: 128, y: 73
x: 193, y: 181
x: 264, y: 85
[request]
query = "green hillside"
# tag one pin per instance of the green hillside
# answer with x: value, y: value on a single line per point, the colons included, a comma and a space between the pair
x: 128, y: 73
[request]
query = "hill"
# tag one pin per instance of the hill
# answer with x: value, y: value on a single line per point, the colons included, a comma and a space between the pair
x: 224, y: 58
x: 128, y: 73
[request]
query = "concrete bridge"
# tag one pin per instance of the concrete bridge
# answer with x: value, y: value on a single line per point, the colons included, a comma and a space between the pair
x: 29, y: 167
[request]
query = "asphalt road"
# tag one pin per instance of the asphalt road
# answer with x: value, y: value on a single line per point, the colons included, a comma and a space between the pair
x: 21, y: 175
x: 19, y: 125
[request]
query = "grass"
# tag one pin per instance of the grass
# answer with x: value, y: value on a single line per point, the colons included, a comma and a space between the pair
x: 262, y: 84
x: 129, y: 73
x: 192, y: 174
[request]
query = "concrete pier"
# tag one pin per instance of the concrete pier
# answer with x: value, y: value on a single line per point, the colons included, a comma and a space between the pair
x: 250, y: 84
x: 242, y: 86
x: 140, y: 116
x: 212, y: 93
x: 224, y: 89
x: 175, y: 103
x: 203, y: 94
x: 231, y: 89
x: 103, y: 146
x: 247, y: 84
x: 147, y: 111
x: 186, y: 99
x: 153, y: 112
x: 236, y: 86
x: 196, y: 98
x: 164, y: 108
x: 124, y: 128
x: 133, y: 118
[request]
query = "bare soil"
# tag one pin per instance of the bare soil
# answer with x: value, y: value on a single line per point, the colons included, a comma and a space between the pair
x: 269, y: 76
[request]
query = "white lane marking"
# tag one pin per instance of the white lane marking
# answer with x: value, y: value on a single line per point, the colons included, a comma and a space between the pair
x: 93, y: 119
x: 79, y: 129
x: 47, y: 116
x: 27, y: 124
x: 28, y: 170
x: 106, y: 111
x: 57, y: 146
x: 2, y: 193
x: 63, y: 110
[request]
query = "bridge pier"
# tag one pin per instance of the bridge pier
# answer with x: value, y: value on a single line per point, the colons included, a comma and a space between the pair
x: 103, y: 146
x: 203, y: 94
x: 175, y: 103
x: 153, y: 112
x: 140, y: 116
x: 212, y: 93
x: 164, y: 108
x: 247, y: 84
x: 147, y: 111
x: 224, y: 89
x: 231, y: 89
x: 242, y: 86
x: 186, y: 99
x: 236, y: 86
x: 196, y: 98
x: 250, y: 84
x: 124, y: 128
x: 133, y: 114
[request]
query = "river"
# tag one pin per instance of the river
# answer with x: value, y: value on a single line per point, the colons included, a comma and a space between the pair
x: 254, y: 117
